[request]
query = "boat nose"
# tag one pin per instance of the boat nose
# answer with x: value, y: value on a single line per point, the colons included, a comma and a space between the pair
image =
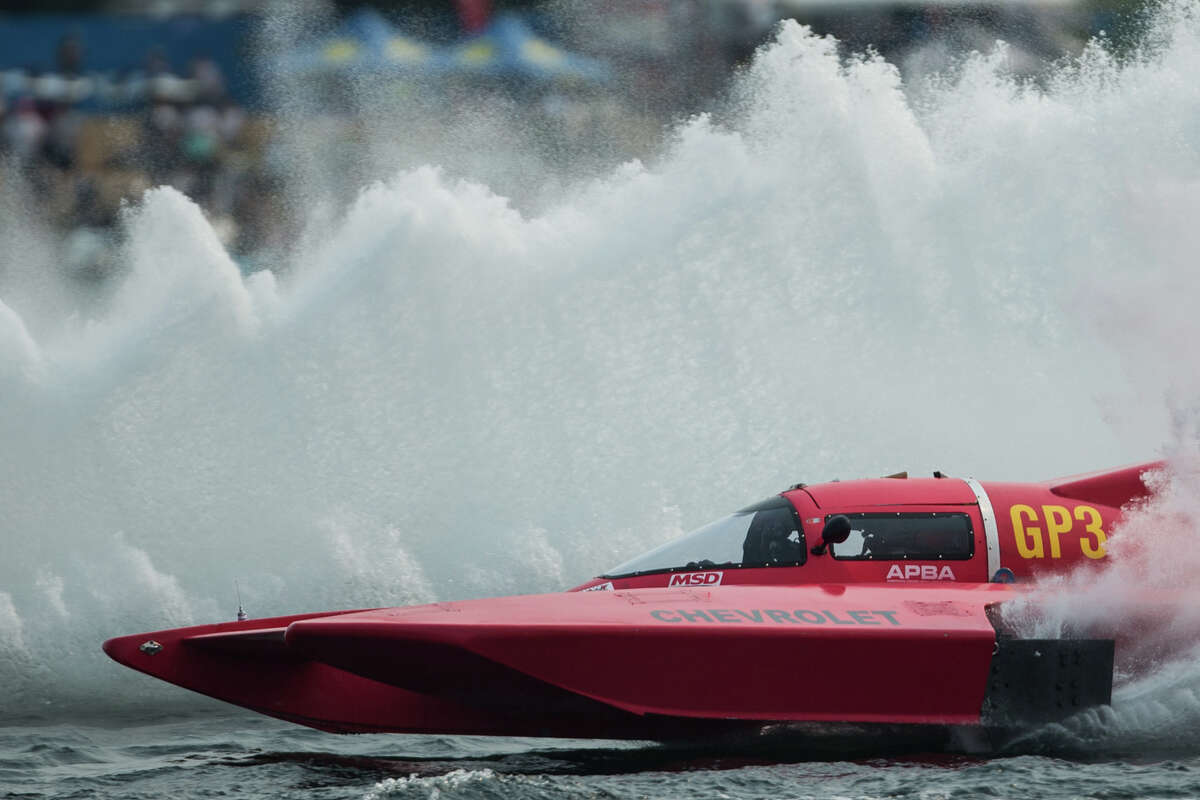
x: 117, y: 649
x: 127, y: 649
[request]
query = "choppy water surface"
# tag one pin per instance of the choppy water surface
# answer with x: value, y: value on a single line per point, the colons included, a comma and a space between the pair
x: 440, y: 396
x: 241, y: 756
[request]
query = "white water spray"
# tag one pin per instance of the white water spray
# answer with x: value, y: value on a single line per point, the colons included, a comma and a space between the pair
x: 1144, y: 311
x: 449, y: 398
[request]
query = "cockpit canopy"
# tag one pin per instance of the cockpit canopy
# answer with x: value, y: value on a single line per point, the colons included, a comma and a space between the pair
x: 766, y: 534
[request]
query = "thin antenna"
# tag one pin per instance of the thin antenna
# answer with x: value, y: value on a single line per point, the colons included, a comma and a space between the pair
x: 241, y: 617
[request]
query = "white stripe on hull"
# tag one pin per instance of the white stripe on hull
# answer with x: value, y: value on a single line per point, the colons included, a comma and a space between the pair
x: 991, y: 533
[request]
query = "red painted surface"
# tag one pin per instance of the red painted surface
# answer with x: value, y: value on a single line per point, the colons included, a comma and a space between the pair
x: 1051, y: 527
x: 890, y: 492
x: 675, y: 652
x: 727, y: 652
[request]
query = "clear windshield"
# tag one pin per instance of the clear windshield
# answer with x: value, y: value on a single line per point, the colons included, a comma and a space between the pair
x: 765, y: 534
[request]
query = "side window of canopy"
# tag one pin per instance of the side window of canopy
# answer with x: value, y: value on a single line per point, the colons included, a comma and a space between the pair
x: 766, y: 534
x: 917, y: 537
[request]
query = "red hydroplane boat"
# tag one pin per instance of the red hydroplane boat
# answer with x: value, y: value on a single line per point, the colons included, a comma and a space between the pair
x: 867, y: 601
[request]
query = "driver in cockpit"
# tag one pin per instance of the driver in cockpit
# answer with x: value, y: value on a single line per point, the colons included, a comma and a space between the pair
x: 772, y: 540
x: 785, y: 548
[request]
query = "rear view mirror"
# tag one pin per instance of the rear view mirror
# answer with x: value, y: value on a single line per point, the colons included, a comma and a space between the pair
x: 836, y: 531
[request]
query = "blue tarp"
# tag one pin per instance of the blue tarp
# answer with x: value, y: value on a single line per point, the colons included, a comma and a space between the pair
x: 363, y: 42
x: 509, y: 48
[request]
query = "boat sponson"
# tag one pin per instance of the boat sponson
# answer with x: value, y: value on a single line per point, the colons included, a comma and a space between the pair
x: 847, y: 653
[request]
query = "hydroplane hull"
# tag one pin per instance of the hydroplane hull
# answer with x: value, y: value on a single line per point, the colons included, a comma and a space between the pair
x: 867, y: 602
x: 639, y: 663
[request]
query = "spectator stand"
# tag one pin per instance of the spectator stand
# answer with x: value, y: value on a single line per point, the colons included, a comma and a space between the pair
x: 95, y: 109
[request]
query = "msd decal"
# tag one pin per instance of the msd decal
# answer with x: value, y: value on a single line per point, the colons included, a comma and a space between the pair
x: 696, y: 579
x: 919, y: 572
x: 600, y: 587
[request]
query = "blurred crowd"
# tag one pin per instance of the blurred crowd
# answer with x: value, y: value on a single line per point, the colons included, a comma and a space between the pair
x: 81, y: 143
